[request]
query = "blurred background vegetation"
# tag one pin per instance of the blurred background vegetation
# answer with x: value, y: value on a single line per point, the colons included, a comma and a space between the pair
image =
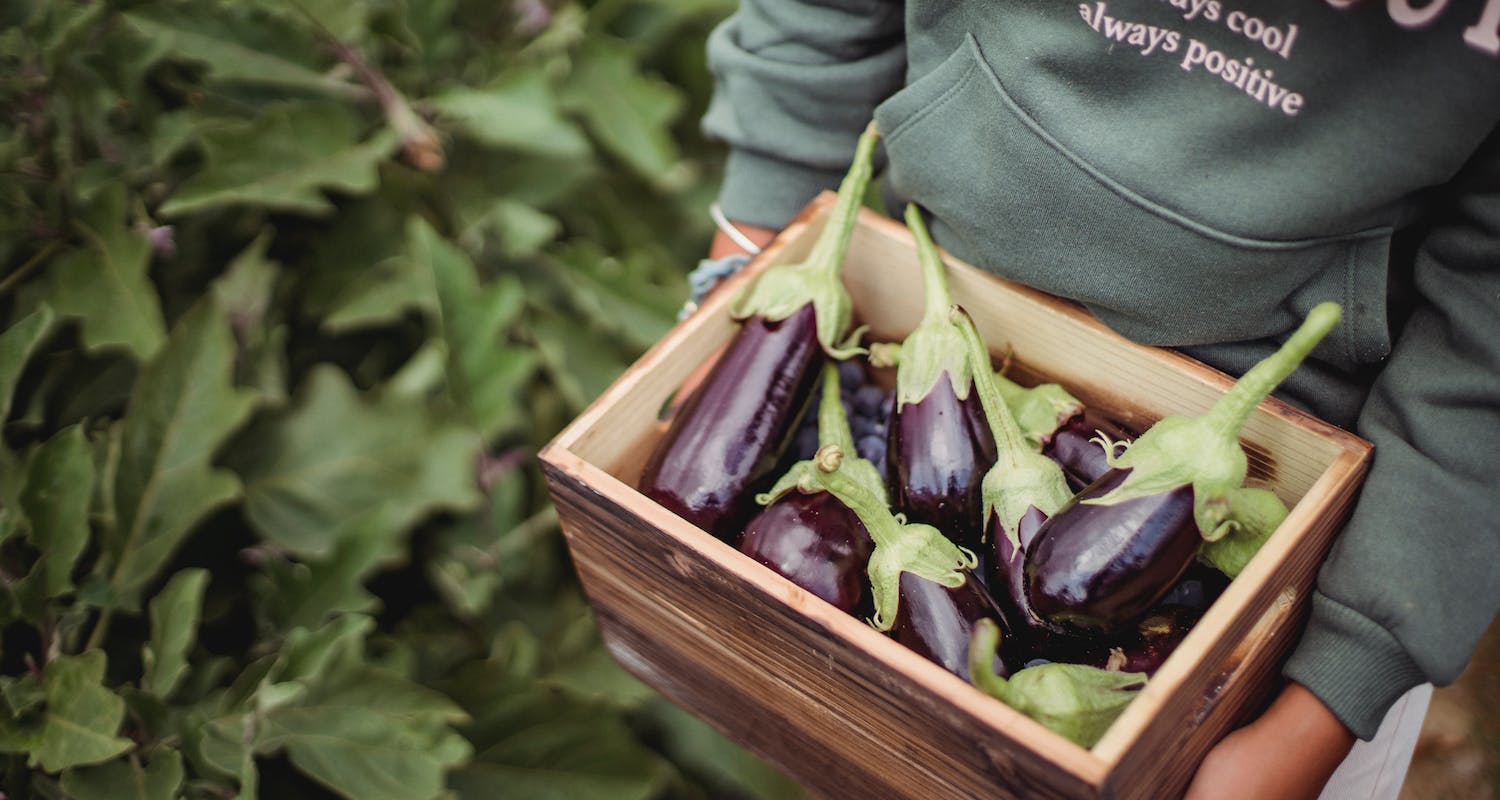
x: 291, y: 292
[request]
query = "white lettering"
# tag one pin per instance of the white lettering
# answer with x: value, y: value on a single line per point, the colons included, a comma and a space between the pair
x: 1403, y: 14
x: 1485, y: 34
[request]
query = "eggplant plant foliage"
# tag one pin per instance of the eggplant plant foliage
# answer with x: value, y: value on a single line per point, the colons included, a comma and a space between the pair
x: 290, y: 292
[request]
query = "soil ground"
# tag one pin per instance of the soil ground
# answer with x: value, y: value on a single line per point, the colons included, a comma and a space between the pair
x: 1458, y: 754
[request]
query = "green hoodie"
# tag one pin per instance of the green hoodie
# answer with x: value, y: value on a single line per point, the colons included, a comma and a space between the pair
x: 1200, y: 173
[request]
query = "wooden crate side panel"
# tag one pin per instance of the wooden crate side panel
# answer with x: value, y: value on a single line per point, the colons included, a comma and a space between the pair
x: 748, y: 663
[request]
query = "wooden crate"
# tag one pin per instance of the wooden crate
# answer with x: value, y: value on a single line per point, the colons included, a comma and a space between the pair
x: 851, y: 713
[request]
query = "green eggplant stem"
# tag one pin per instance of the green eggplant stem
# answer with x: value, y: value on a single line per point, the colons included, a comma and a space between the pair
x: 833, y: 423
x: 934, y: 274
x: 1232, y: 410
x: 1009, y: 441
x: 828, y: 252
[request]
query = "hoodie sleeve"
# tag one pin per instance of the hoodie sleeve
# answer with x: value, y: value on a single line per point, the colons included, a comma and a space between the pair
x: 794, y: 85
x: 1411, y: 585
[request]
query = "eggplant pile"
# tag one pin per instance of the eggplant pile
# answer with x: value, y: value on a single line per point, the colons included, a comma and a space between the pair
x: 988, y: 526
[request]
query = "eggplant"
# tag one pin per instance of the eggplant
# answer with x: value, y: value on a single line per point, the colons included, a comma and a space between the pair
x: 939, y: 444
x: 809, y: 536
x: 1101, y: 562
x: 1053, y: 421
x: 1082, y: 450
x: 816, y: 542
x: 1019, y: 491
x: 937, y: 622
x: 728, y: 440
x: 1153, y: 640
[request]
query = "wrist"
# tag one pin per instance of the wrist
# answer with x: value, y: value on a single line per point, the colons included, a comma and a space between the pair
x: 725, y: 244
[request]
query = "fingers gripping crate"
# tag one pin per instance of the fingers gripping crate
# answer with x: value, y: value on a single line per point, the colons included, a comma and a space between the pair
x: 851, y: 713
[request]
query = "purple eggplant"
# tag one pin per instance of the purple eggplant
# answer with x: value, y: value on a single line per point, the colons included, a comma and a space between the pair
x: 1101, y: 562
x: 1020, y: 491
x: 727, y: 441
x: 1116, y: 555
x: 900, y: 547
x: 937, y: 622
x: 816, y: 542
x: 939, y: 444
x: 811, y: 537
x: 1080, y: 449
x: 1155, y: 638
x: 1053, y: 420
x: 747, y: 430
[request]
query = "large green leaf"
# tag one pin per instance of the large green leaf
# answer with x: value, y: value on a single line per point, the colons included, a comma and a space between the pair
x: 174, y: 629
x: 485, y: 375
x: 105, y: 285
x: 372, y: 745
x: 316, y: 472
x: 621, y: 294
x: 520, y: 112
x: 127, y: 780
x: 627, y: 111
x: 305, y: 593
x: 550, y: 745
x: 82, y: 716
x: 183, y: 407
x: 581, y: 361
x: 16, y: 344
x: 282, y: 160
x: 342, y: 20
x: 245, y: 291
x: 238, y: 49
x: 56, y: 498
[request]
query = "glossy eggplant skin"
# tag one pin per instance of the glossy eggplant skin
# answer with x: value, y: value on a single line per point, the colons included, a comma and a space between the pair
x: 816, y: 542
x: 1099, y: 568
x: 1073, y: 447
x: 939, y: 450
x: 1031, y: 636
x: 936, y: 622
x: 725, y: 444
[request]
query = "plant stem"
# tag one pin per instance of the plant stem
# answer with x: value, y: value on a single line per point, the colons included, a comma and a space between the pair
x: 22, y: 272
x: 1229, y: 414
x: 1009, y: 442
x: 827, y: 252
x: 833, y: 424
x: 936, y: 297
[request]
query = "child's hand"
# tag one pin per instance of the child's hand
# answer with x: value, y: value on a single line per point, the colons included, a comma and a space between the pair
x: 1287, y: 754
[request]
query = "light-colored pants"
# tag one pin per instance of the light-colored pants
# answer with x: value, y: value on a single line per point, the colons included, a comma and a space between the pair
x: 1375, y: 770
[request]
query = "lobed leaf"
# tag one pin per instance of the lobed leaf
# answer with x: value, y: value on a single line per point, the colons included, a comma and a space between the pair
x: 16, y: 345
x: 56, y: 498
x: 236, y: 50
x: 174, y: 629
x: 183, y: 407
x: 82, y: 716
x: 127, y: 779
x: 105, y: 284
x: 485, y: 376
x: 316, y: 474
x: 283, y: 160
x: 519, y: 112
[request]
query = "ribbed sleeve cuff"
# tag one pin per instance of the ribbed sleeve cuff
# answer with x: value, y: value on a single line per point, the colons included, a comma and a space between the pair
x: 1352, y: 664
x: 767, y: 192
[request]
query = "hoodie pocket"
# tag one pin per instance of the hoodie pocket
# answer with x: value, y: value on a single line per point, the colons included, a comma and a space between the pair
x: 1008, y: 196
